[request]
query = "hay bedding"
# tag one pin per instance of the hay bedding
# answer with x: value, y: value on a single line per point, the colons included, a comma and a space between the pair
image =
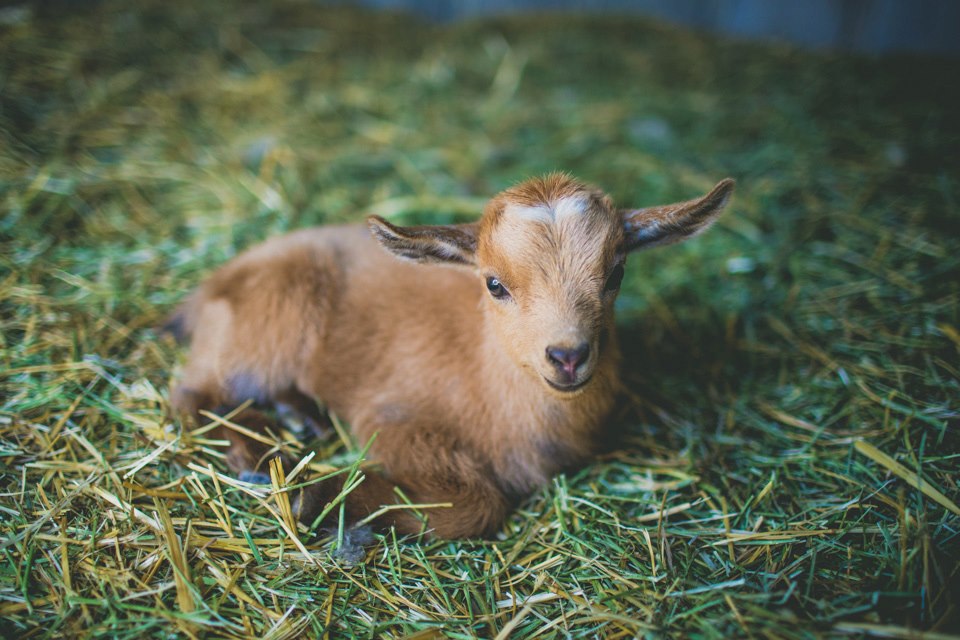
x: 788, y: 458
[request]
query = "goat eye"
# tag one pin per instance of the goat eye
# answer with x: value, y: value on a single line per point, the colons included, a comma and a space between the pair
x: 616, y: 277
x: 496, y: 288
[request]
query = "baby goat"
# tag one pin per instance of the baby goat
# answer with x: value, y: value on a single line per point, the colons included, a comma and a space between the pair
x: 484, y: 358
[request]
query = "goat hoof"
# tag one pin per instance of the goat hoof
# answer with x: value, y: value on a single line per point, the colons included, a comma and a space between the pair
x: 352, y: 549
x: 254, y: 477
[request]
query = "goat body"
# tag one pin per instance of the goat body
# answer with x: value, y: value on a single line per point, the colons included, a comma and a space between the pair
x: 483, y: 361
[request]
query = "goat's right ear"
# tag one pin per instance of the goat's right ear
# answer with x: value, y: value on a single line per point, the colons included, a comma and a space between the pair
x: 454, y: 244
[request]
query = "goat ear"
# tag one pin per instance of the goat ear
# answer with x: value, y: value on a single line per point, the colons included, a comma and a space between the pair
x: 655, y: 226
x: 447, y: 244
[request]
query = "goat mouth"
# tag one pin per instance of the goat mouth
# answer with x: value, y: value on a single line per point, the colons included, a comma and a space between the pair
x: 568, y: 388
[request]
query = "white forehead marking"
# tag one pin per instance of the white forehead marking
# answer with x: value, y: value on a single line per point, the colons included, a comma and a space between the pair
x: 521, y: 224
x: 541, y: 213
x: 563, y: 208
x: 570, y: 206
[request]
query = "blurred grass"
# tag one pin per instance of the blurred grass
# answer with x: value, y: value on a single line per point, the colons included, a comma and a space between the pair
x: 793, y: 374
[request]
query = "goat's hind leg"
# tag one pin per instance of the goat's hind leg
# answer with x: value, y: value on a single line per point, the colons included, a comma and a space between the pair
x: 218, y: 381
x: 250, y: 434
x: 251, y: 327
x: 302, y: 414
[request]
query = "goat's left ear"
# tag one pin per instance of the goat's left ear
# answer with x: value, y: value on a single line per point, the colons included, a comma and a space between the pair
x: 655, y: 226
x: 454, y: 244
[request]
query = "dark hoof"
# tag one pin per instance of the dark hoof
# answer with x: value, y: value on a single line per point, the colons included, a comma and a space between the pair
x: 351, y: 551
x: 254, y: 477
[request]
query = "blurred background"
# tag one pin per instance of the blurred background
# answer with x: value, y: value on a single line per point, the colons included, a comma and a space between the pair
x: 142, y: 144
x: 853, y: 25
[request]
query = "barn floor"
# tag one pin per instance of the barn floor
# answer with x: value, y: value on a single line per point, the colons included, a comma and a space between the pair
x: 788, y: 460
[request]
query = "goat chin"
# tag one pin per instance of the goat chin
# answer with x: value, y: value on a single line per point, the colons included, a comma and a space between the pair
x: 422, y: 339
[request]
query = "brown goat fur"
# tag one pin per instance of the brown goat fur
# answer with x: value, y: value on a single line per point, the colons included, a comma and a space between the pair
x: 485, y: 361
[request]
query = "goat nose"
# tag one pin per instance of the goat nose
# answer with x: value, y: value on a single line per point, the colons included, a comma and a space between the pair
x: 567, y: 360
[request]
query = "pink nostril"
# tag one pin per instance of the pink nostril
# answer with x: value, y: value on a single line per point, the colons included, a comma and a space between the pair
x: 567, y: 360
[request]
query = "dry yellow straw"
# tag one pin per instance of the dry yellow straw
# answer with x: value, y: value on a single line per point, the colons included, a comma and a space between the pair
x: 910, y: 477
